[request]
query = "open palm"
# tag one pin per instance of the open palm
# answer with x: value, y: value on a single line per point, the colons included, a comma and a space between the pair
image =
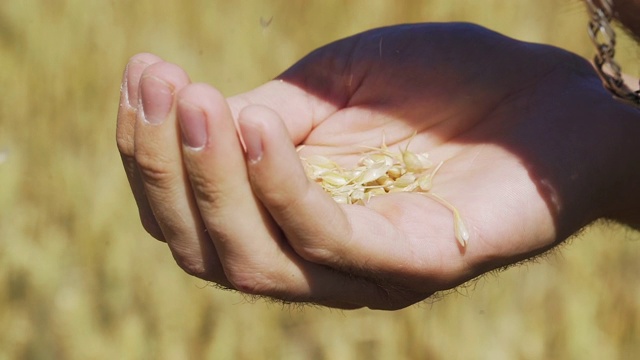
x: 495, y: 110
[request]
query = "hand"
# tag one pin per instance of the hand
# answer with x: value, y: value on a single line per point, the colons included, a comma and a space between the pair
x: 513, y: 123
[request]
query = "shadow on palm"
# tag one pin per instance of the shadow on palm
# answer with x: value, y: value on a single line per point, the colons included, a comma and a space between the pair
x: 492, y: 108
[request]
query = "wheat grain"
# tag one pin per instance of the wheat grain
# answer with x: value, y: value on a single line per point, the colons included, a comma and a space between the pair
x: 381, y: 171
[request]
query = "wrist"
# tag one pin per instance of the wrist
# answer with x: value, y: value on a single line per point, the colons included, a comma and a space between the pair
x: 596, y: 164
x: 623, y: 178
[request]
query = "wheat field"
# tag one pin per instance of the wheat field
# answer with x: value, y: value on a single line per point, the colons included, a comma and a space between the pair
x: 80, y: 279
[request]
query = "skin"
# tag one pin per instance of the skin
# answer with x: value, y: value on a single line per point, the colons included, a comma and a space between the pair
x: 534, y: 150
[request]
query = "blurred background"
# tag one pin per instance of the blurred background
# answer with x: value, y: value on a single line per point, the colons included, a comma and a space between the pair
x: 80, y: 279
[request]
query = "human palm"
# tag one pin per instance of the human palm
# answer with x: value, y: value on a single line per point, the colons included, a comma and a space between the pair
x: 494, y: 110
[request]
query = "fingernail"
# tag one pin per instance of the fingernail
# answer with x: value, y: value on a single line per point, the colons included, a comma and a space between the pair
x: 252, y: 141
x: 157, y: 99
x: 193, y: 124
x: 132, y: 79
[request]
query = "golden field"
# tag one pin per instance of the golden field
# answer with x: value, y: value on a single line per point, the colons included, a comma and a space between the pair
x: 80, y: 279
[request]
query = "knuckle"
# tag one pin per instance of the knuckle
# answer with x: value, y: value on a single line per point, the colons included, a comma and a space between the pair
x: 316, y: 254
x: 198, y: 262
x: 214, y: 195
x: 155, y: 168
x: 192, y: 265
x: 194, y: 268
x: 151, y: 226
x: 124, y: 144
x: 203, y: 188
x: 278, y: 198
x: 125, y: 131
x: 254, y: 283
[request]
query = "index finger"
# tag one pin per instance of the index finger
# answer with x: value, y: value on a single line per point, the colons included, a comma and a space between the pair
x: 308, y: 92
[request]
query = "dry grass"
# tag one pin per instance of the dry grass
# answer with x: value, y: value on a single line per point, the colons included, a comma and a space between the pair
x: 79, y: 279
